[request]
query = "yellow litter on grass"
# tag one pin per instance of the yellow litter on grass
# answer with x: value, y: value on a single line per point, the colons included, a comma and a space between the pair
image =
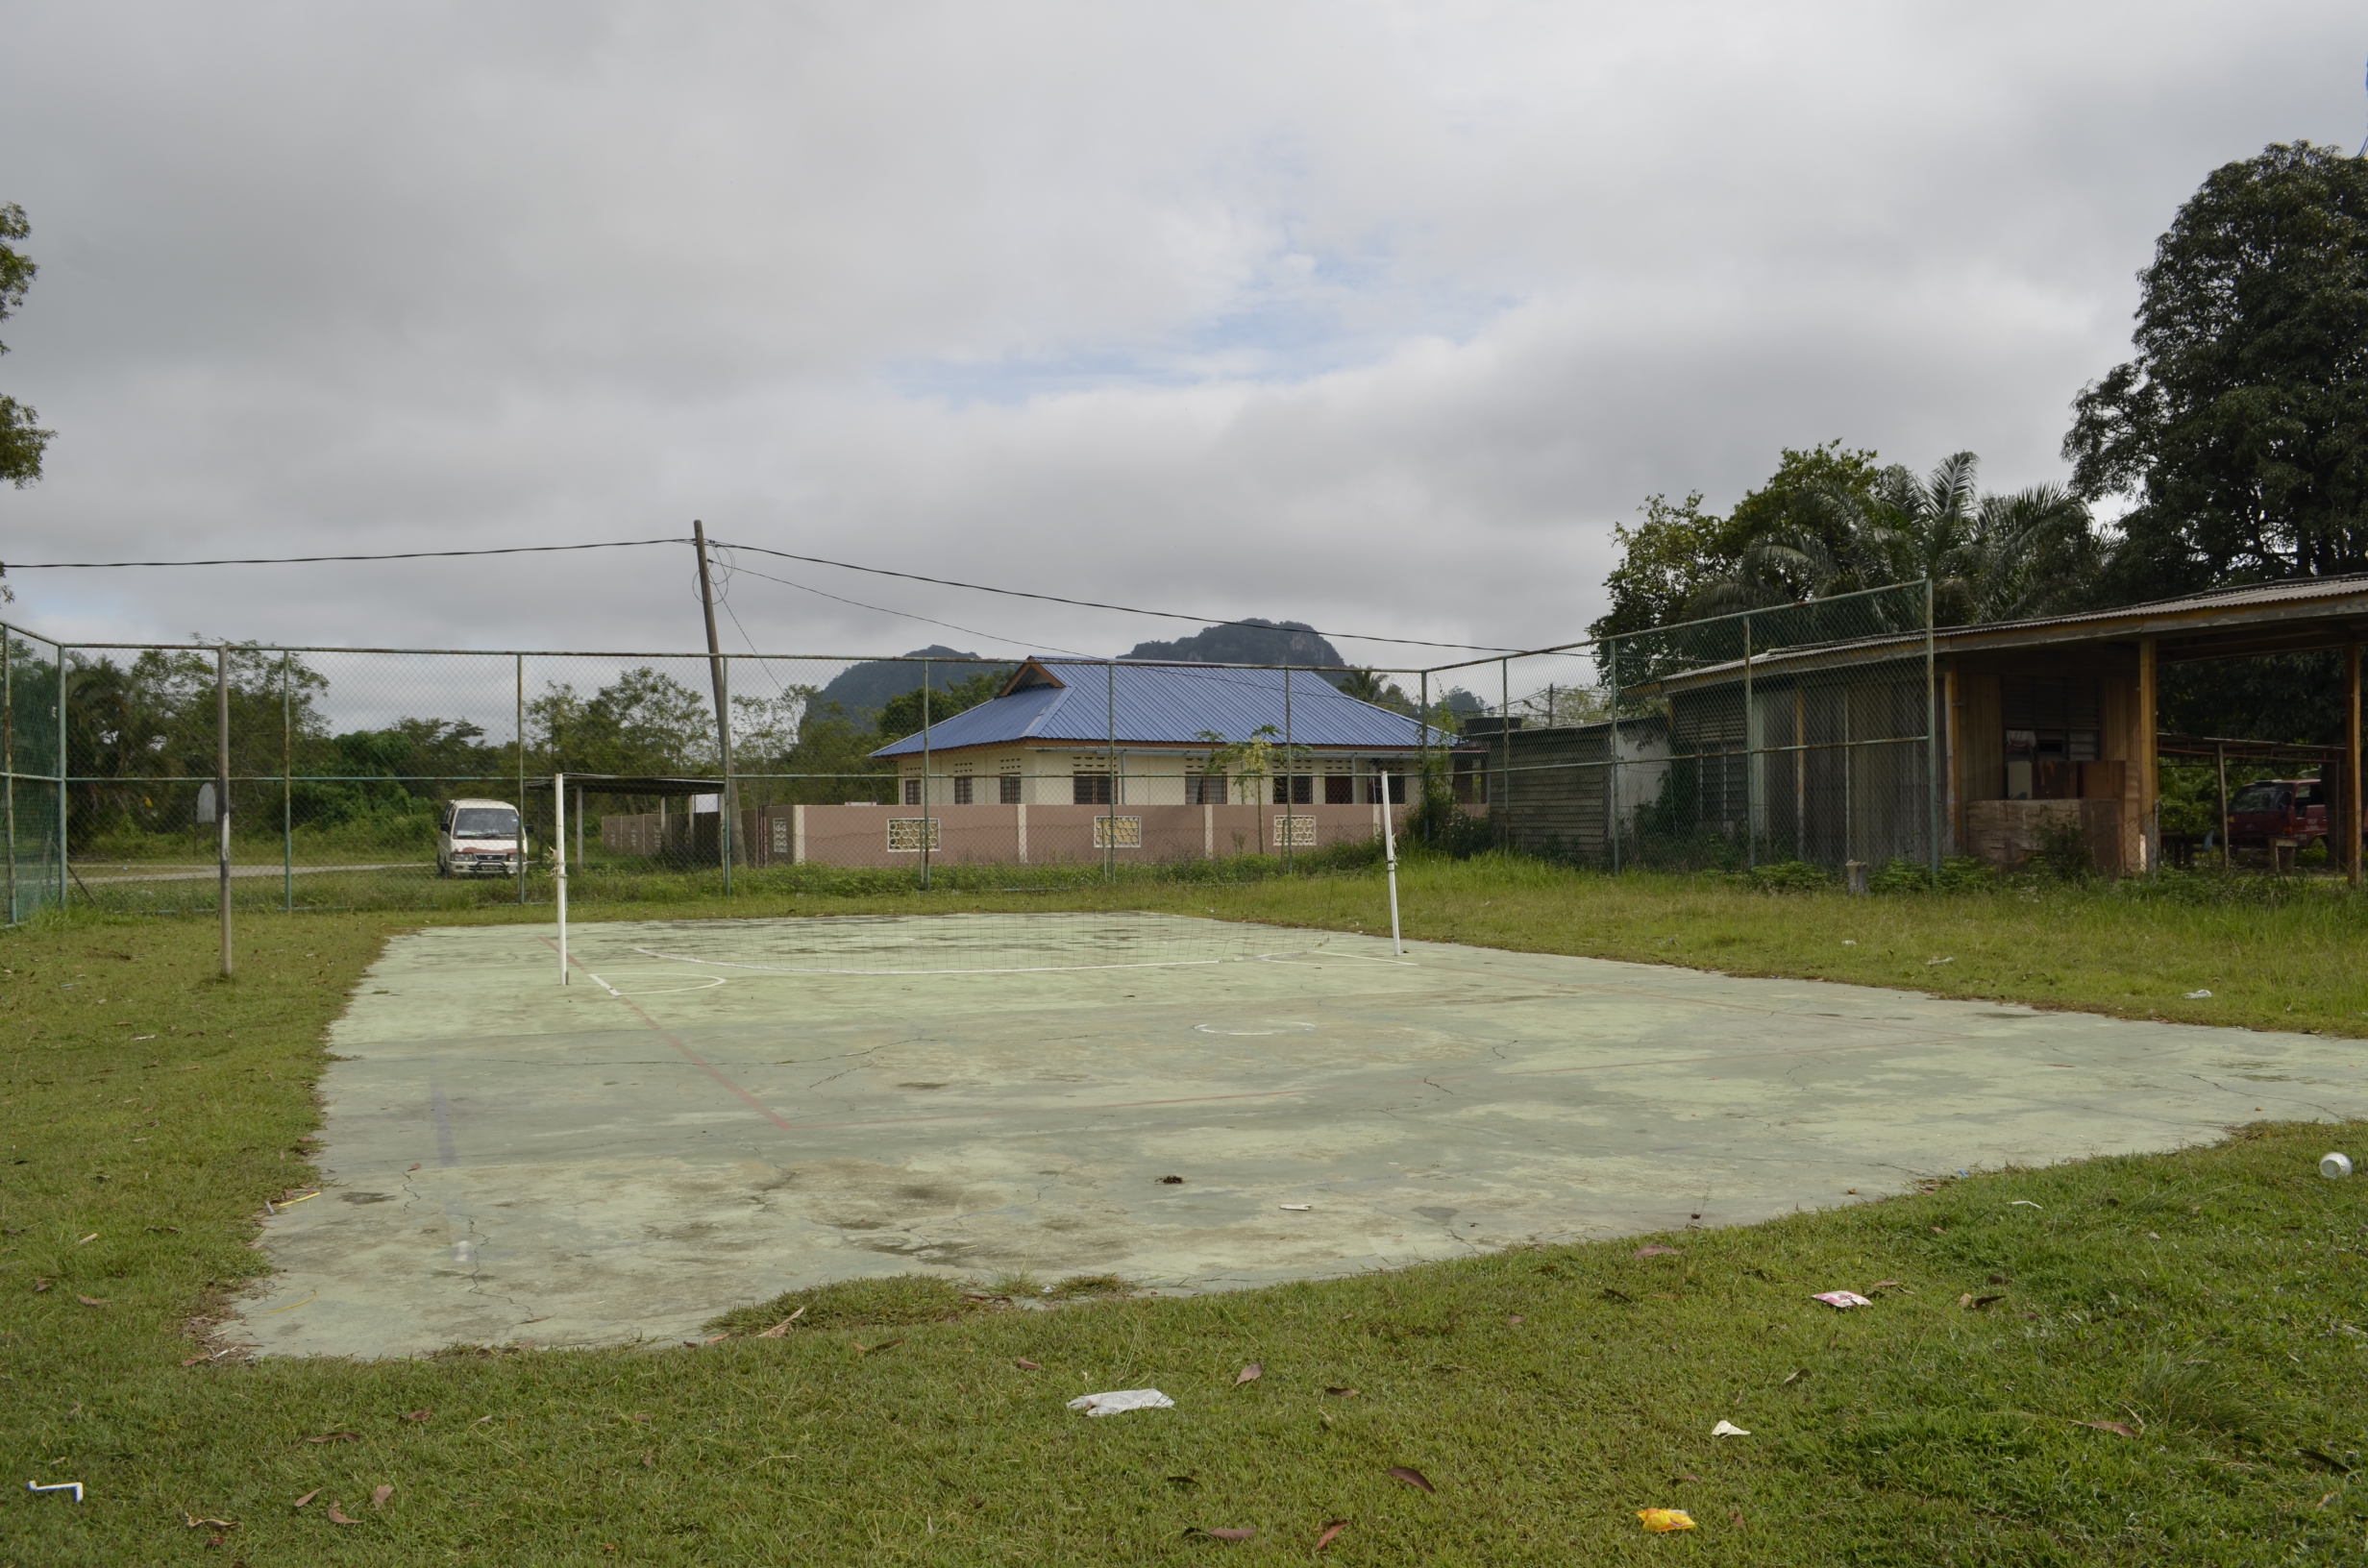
x: 1665, y: 1519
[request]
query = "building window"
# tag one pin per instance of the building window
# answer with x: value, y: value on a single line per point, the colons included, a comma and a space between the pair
x: 1295, y: 791
x: 1205, y: 789
x: 1471, y: 781
x: 912, y: 792
x: 1397, y: 789
x: 1339, y: 791
x: 962, y: 791
x: 1089, y: 789
x: 1009, y: 784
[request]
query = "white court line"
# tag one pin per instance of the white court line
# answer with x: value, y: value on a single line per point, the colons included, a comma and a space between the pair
x: 1017, y: 968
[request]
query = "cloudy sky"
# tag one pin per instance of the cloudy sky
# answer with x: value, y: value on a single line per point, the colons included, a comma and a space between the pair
x: 1376, y: 315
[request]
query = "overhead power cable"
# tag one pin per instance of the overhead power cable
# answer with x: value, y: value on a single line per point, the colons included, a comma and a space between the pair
x: 1123, y: 610
x: 306, y: 560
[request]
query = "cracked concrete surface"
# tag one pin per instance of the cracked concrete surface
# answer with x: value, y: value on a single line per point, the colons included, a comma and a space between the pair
x: 514, y: 1162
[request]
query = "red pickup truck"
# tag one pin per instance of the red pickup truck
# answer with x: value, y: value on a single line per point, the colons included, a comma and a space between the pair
x: 2278, y: 808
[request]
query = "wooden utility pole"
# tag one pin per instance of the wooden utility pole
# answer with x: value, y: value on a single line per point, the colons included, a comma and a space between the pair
x: 725, y: 804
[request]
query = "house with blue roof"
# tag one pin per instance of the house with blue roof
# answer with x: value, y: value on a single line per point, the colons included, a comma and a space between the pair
x: 1092, y: 732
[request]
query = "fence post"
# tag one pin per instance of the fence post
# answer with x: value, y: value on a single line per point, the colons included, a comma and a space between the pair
x: 7, y: 752
x: 1931, y: 733
x: 1612, y: 817
x: 924, y: 776
x: 520, y: 660
x: 1291, y: 780
x: 287, y: 781
x: 1504, y: 738
x: 1110, y: 780
x: 727, y: 803
x: 1751, y: 759
x: 1422, y: 760
x: 65, y: 870
x: 222, y: 789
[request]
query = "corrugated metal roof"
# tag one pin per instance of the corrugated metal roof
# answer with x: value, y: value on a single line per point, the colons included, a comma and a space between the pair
x: 2245, y: 603
x: 1169, y: 704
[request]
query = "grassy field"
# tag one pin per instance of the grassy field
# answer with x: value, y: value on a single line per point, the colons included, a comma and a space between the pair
x: 2206, y: 1306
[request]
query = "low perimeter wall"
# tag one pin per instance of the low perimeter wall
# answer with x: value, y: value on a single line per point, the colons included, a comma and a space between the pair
x: 1022, y: 835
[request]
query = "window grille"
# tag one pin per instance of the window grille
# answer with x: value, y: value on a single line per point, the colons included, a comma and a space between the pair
x: 1117, y: 832
x: 1089, y: 789
x: 1009, y: 785
x: 1339, y: 792
x: 962, y: 791
x: 1297, y: 792
x: 1295, y: 832
x: 1205, y: 789
x: 904, y: 835
x: 912, y: 792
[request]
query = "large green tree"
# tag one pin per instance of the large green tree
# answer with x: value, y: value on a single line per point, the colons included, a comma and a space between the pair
x: 1683, y: 561
x: 21, y: 440
x: 2239, y: 430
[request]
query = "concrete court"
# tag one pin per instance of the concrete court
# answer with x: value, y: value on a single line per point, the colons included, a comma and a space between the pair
x: 514, y: 1162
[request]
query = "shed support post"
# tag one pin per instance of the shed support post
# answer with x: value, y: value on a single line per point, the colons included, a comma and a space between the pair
x: 2149, y: 769
x: 2227, y: 857
x: 2351, y: 764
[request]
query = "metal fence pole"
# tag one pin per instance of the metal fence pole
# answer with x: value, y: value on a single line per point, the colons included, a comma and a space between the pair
x: 924, y: 776
x: 1612, y: 817
x: 1291, y: 780
x: 7, y: 752
x: 1110, y: 782
x: 726, y: 804
x: 64, y: 870
x: 287, y: 782
x: 1421, y: 761
x: 1751, y: 760
x: 1932, y: 732
x: 1504, y: 737
x: 520, y: 661
x: 222, y: 789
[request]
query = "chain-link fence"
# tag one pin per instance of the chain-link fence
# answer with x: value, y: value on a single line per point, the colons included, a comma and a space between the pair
x: 1799, y: 733
x: 422, y: 778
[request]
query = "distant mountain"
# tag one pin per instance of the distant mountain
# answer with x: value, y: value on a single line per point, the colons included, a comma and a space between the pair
x: 863, y: 688
x: 1251, y: 641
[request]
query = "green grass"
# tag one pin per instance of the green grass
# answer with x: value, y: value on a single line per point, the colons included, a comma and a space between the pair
x: 2209, y: 1300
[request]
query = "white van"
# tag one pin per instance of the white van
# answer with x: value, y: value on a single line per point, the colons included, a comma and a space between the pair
x: 477, y: 838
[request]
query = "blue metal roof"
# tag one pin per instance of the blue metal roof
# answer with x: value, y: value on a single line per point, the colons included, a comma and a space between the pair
x: 1067, y: 702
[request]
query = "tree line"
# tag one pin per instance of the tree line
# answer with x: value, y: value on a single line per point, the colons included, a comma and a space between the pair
x: 2230, y: 448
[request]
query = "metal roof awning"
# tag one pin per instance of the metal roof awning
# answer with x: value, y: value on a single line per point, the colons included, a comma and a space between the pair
x: 2231, y: 624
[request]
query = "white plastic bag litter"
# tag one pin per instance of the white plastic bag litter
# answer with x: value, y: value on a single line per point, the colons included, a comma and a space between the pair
x: 1122, y: 1401
x: 1841, y: 1298
x: 1728, y: 1429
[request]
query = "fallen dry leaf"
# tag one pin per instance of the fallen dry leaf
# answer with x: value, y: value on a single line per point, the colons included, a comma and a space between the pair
x: 1232, y: 1535
x: 378, y: 1497
x: 1789, y: 1375
x: 195, y: 1523
x: 1979, y: 1302
x: 649, y: 1461
x: 1411, y: 1477
x: 192, y: 1360
x: 308, y: 1497
x: 1657, y: 1252
x: 1027, y: 1366
x: 1514, y: 1321
x: 782, y: 1329
x: 2119, y: 1428
x: 1249, y: 1374
x: 336, y: 1437
x: 417, y: 1415
x: 337, y: 1516
x: 1883, y: 1285
x: 1342, y: 1393
x: 1331, y: 1529
x: 40, y: 1285
x: 91, y: 1301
